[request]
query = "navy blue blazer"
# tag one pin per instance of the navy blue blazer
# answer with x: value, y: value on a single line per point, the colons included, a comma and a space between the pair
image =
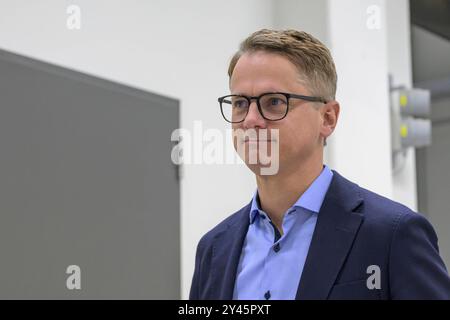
x: 355, y: 229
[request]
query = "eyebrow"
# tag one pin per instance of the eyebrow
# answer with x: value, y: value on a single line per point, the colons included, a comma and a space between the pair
x: 264, y: 92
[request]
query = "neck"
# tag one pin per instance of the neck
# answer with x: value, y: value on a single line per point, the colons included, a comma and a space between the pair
x: 277, y: 193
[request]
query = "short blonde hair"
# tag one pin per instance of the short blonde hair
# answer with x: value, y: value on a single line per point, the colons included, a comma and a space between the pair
x: 311, y: 57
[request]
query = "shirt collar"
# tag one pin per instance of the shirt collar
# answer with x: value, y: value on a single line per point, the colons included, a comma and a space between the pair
x: 311, y: 199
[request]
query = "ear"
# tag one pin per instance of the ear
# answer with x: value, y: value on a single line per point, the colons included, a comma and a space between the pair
x: 330, y: 115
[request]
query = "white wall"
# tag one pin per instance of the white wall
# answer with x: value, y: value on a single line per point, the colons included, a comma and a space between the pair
x: 400, y: 67
x: 309, y: 16
x: 360, y: 146
x: 182, y: 49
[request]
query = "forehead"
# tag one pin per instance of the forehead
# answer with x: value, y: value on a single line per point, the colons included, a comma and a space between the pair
x: 257, y: 72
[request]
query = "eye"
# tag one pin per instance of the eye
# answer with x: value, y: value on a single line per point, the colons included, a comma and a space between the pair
x: 276, y: 101
x: 240, y: 103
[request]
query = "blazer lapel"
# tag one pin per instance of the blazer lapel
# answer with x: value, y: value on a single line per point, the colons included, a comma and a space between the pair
x: 227, y: 249
x: 337, y: 225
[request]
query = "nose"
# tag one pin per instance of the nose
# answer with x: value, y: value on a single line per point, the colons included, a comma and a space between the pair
x: 254, y: 118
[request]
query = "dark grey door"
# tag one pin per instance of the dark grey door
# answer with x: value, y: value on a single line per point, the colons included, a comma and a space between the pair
x: 86, y: 179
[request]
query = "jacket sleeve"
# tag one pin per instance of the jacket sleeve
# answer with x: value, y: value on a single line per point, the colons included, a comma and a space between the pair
x: 416, y: 271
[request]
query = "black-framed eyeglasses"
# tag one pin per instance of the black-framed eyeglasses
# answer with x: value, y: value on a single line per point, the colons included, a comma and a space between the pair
x: 272, y: 106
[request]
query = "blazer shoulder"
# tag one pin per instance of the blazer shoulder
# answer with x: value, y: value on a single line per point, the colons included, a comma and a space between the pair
x: 382, y: 212
x: 383, y: 218
x: 382, y: 207
x: 373, y: 206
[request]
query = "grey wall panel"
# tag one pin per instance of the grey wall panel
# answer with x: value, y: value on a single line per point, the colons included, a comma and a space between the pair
x: 85, y: 179
x: 431, y: 61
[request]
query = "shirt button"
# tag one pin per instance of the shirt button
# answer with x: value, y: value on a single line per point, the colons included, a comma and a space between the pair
x: 276, y: 248
x: 263, y: 216
x: 267, y: 295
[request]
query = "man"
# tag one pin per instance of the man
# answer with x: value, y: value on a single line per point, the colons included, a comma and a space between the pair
x: 308, y: 232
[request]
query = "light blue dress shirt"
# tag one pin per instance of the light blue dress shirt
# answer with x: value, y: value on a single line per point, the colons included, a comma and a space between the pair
x: 271, y: 265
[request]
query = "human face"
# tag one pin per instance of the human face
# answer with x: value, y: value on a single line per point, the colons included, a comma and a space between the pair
x: 300, y: 134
